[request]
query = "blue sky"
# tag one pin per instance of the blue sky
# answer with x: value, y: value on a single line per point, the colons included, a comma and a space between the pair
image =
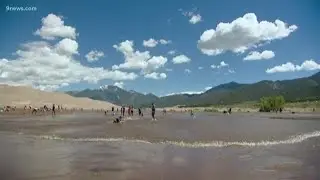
x: 100, y: 25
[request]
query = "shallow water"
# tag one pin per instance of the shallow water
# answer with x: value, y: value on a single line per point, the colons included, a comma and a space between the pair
x: 212, y: 146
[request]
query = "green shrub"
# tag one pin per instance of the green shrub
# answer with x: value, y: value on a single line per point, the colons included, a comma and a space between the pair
x: 273, y: 103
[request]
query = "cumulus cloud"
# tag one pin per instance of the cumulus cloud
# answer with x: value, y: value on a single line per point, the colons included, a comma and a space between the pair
x: 207, y: 88
x: 164, y: 42
x: 200, y: 67
x: 94, y: 55
x: 119, y: 84
x: 171, y: 52
x: 181, y: 59
x: 153, y: 43
x: 156, y: 76
x: 194, y: 17
x: 242, y: 34
x: 308, y: 65
x: 150, y: 43
x: 187, y: 71
x: 67, y: 47
x: 169, y: 70
x: 221, y: 65
x: 255, y: 55
x: 136, y: 60
x: 51, y: 66
x: 53, y: 26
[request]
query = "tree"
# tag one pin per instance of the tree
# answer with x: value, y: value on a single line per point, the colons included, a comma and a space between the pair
x: 272, y: 103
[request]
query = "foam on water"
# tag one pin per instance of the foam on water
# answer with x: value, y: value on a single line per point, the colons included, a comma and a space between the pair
x: 291, y: 140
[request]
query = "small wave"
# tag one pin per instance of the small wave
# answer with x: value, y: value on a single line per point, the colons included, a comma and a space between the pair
x: 292, y: 140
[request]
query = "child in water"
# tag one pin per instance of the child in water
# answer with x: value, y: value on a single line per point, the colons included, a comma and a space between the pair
x: 118, y: 120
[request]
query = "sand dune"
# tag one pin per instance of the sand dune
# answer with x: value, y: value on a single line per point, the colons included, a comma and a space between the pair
x: 23, y: 95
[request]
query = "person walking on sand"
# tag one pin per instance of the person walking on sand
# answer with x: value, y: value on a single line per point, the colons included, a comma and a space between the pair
x: 139, y: 111
x: 53, y: 110
x: 153, y: 111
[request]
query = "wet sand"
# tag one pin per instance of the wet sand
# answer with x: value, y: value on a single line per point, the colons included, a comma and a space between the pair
x: 211, y: 146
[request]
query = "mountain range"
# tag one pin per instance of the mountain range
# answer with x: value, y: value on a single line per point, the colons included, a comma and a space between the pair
x: 301, y: 89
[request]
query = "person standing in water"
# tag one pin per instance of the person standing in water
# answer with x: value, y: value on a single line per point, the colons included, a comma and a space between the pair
x: 112, y: 109
x: 164, y: 111
x: 53, y: 110
x: 153, y: 111
x: 131, y: 110
x: 192, y: 114
x: 123, y: 110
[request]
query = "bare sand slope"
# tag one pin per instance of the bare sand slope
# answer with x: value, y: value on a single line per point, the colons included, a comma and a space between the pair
x: 23, y: 95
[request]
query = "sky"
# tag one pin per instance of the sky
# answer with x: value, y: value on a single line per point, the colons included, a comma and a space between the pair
x: 159, y: 47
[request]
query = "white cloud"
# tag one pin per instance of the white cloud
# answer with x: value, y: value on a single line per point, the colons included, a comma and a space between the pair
x: 164, y: 42
x: 53, y: 26
x: 155, y: 63
x: 308, y: 65
x: 67, y: 47
x: 189, y: 92
x: 242, y: 34
x: 169, y: 70
x: 187, y: 71
x: 46, y: 67
x: 255, y: 55
x: 196, y: 18
x: 51, y: 66
x: 153, y: 43
x: 231, y: 71
x: 180, y: 59
x: 185, y: 92
x: 200, y: 67
x: 94, y: 55
x: 150, y: 43
x: 156, y: 75
x: 136, y: 60
x: 222, y: 64
x: 171, y: 52
x: 119, y: 84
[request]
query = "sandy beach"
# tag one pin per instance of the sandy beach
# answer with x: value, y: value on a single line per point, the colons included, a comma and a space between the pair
x: 87, y: 145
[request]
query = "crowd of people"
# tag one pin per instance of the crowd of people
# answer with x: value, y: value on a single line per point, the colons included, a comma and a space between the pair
x: 130, y: 111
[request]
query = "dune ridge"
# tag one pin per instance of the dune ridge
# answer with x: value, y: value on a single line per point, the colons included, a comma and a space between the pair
x: 20, y: 96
